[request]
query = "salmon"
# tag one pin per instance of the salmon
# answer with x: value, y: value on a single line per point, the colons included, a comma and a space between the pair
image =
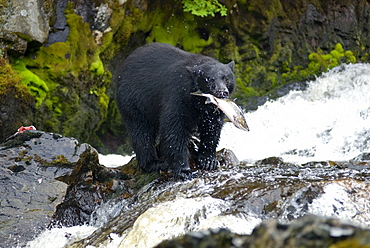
x: 230, y: 109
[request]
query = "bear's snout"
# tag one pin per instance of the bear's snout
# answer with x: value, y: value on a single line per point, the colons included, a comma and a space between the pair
x: 222, y: 93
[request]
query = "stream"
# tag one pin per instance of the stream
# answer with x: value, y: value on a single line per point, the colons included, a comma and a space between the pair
x: 306, y: 152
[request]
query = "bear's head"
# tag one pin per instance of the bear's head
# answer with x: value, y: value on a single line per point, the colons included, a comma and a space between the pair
x: 214, y: 78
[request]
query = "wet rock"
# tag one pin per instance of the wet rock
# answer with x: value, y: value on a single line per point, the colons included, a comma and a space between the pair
x: 90, y: 185
x: 227, y: 157
x: 48, y: 176
x: 35, y: 170
x: 29, y: 189
x: 215, y: 238
x: 309, y: 231
x: 238, y: 198
x: 365, y: 157
x: 39, y: 169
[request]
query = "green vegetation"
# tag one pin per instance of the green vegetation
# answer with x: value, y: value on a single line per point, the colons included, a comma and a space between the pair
x: 176, y: 30
x: 37, y: 87
x: 272, y: 77
x: 10, y: 81
x: 204, y: 7
x: 320, y: 62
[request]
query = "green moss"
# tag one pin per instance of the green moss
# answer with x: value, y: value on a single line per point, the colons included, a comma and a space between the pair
x: 103, y: 99
x: 123, y: 22
x: 279, y: 72
x: 243, y: 92
x: 320, y: 62
x: 79, y: 52
x: 10, y: 80
x: 37, y: 86
x: 97, y: 66
x: 176, y: 30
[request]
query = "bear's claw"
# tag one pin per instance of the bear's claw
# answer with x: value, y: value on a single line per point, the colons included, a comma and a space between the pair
x: 208, y: 163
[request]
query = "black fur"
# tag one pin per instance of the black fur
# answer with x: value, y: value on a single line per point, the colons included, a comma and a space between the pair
x: 153, y: 96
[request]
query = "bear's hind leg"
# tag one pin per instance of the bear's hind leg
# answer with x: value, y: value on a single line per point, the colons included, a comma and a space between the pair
x: 174, y: 139
x: 143, y: 138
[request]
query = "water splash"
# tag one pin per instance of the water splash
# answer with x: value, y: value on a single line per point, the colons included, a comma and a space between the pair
x: 327, y: 121
x: 171, y: 219
x: 61, y: 237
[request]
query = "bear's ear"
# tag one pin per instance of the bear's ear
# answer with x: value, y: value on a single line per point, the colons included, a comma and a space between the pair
x: 194, y: 71
x: 231, y: 65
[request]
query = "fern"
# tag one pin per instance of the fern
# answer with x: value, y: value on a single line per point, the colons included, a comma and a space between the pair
x: 204, y: 7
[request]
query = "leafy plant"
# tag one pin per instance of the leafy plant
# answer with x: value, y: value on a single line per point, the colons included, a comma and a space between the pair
x: 320, y: 62
x: 204, y: 7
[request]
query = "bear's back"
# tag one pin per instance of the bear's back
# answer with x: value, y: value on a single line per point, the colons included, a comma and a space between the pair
x: 162, y: 54
x: 157, y: 66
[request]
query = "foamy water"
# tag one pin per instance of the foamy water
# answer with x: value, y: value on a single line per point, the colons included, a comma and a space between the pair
x: 327, y: 121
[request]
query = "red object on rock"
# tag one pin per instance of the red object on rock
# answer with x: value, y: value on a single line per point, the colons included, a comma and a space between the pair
x: 22, y: 129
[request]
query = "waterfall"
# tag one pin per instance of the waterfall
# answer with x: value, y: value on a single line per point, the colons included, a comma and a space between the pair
x: 327, y: 121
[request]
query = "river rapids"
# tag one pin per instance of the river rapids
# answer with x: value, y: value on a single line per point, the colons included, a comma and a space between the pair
x: 328, y: 121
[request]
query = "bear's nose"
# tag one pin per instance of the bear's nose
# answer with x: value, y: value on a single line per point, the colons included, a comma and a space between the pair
x: 222, y: 94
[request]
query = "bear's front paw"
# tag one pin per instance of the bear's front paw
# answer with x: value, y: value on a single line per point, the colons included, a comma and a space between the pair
x: 207, y: 163
x: 183, y: 173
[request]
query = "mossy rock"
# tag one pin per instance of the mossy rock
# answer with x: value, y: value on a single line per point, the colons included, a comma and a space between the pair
x: 17, y: 104
x: 69, y: 82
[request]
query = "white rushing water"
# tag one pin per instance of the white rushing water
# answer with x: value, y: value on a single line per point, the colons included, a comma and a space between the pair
x: 327, y: 121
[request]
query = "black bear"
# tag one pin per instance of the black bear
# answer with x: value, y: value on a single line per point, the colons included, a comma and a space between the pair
x: 154, y: 86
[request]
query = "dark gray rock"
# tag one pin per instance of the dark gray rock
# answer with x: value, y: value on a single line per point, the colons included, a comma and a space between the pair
x: 11, y: 43
x: 307, y: 232
x: 60, y: 30
x: 33, y: 169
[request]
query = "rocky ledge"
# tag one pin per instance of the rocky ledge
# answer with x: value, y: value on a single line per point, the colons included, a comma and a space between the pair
x: 48, y: 181
x: 44, y: 177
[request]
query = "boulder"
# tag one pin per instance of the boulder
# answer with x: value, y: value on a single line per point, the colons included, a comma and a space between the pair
x: 305, y: 232
x: 34, y: 171
x: 28, y: 19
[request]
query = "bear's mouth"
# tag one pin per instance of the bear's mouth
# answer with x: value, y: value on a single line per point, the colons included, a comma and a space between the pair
x: 221, y: 94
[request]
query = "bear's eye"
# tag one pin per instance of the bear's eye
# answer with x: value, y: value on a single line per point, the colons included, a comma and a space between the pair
x: 209, y: 80
x: 226, y: 79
